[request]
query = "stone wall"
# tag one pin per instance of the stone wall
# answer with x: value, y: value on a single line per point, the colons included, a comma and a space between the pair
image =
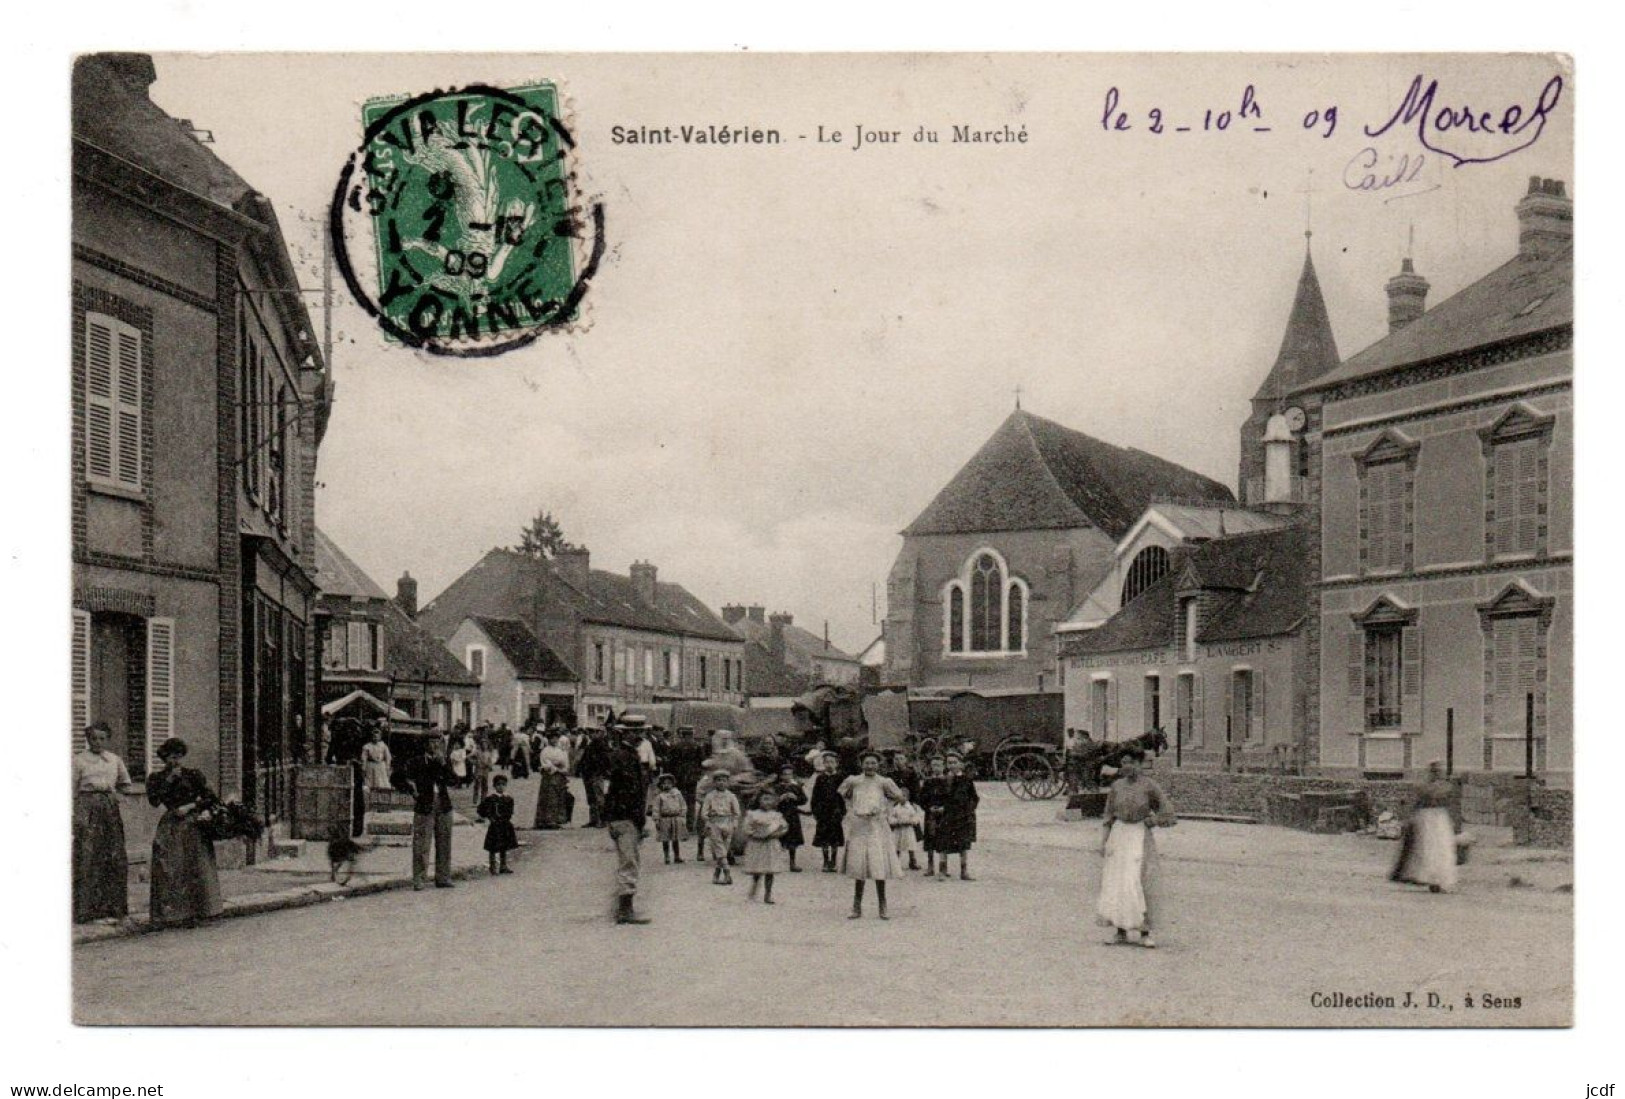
x: 1546, y: 819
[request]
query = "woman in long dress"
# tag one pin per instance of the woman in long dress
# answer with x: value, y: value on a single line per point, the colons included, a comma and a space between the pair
x: 1128, y: 880
x: 1427, y: 854
x: 553, y: 787
x: 185, y: 880
x: 376, y: 762
x: 101, y: 869
x: 871, y: 850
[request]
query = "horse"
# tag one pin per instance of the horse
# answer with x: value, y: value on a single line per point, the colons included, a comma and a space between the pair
x: 1111, y: 754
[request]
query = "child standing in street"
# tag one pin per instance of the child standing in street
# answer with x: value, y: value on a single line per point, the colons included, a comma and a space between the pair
x: 500, y: 837
x: 764, y: 854
x: 829, y: 809
x: 671, y: 819
x: 720, y: 812
x: 906, y: 820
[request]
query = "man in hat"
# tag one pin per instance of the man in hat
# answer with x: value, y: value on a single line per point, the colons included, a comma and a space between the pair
x: 593, y: 768
x: 624, y: 810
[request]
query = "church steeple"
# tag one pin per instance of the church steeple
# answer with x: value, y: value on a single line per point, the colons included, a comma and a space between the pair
x: 1307, y: 349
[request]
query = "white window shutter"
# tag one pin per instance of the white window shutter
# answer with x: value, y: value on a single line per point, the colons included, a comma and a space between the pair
x: 377, y: 646
x: 1410, y: 679
x: 1260, y: 727
x: 101, y: 358
x: 160, y: 685
x: 1198, y: 714
x: 80, y: 674
x: 127, y: 401
x: 359, y: 644
x: 1235, y: 734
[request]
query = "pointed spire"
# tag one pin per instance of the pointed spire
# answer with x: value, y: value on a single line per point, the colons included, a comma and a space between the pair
x: 1308, y: 348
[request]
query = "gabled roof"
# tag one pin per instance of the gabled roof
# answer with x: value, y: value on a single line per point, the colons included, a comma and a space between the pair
x: 509, y: 584
x: 1307, y: 347
x: 410, y: 651
x: 1260, y: 583
x: 336, y: 574
x: 531, y: 659
x: 1196, y: 524
x: 1033, y: 474
x: 1523, y: 296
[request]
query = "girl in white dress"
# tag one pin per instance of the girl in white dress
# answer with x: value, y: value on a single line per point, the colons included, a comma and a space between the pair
x: 871, y: 849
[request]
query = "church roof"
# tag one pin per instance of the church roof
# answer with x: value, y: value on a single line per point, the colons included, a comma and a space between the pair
x: 1307, y: 348
x: 1523, y: 296
x: 1033, y: 474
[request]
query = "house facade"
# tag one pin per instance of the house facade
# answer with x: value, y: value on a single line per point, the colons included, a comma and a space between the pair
x: 627, y: 638
x: 1444, y: 618
x: 200, y: 396
x: 1008, y: 547
x: 521, y: 681
x: 1211, y: 652
x: 370, y: 644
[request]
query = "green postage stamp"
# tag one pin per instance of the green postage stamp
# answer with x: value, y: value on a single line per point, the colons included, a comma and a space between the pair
x: 468, y: 196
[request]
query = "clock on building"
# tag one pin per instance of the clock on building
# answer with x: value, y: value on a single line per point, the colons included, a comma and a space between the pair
x: 1295, y: 418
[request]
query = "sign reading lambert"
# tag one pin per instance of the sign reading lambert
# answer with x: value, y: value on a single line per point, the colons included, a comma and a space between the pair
x: 467, y: 192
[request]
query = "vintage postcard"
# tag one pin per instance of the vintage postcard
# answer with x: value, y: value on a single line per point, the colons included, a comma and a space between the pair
x: 873, y: 540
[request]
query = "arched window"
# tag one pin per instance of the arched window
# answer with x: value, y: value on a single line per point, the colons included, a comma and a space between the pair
x: 1015, y: 610
x: 986, y: 605
x: 956, y: 619
x: 1149, y: 566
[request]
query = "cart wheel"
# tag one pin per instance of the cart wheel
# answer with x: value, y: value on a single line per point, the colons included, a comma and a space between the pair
x: 1028, y: 776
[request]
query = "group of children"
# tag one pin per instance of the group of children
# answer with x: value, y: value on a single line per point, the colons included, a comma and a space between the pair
x: 894, y: 826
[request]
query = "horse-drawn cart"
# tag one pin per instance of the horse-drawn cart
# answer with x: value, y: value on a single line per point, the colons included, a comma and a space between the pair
x: 1039, y: 772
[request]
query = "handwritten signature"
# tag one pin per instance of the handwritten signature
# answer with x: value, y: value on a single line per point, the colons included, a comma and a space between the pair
x: 1434, y: 127
x: 1362, y: 173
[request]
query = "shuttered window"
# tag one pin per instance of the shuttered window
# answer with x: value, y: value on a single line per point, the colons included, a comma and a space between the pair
x: 1513, y: 676
x: 1100, y: 708
x: 113, y: 357
x: 160, y: 686
x: 1385, y: 489
x: 1382, y: 679
x: 79, y: 672
x: 1185, y: 706
x: 1242, y: 704
x: 1516, y: 522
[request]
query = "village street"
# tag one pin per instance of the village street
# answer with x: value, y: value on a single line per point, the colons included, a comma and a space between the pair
x: 1259, y: 920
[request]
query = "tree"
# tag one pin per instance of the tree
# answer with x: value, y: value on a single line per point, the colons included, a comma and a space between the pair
x: 543, y: 537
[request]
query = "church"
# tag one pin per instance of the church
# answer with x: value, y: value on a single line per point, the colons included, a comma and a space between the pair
x: 1046, y: 533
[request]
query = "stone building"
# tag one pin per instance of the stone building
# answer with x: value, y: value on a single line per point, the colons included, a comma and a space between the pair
x: 522, y: 681
x: 370, y: 643
x: 632, y: 638
x: 1211, y: 652
x: 199, y: 396
x: 1444, y: 492
x: 1008, y: 548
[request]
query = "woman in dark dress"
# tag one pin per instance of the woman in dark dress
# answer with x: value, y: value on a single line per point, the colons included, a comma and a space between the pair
x: 185, y: 880
x: 828, y: 809
x: 933, y: 800
x: 957, y: 830
x: 791, y: 798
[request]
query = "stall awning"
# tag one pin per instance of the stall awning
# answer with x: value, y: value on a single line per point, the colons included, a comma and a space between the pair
x: 373, y: 701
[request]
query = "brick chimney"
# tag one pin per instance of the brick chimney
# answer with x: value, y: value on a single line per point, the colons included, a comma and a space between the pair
x: 1407, y: 296
x: 733, y: 613
x: 775, y: 643
x: 756, y: 613
x: 1545, y: 219
x: 643, y: 581
x: 574, y: 564
x: 406, y: 595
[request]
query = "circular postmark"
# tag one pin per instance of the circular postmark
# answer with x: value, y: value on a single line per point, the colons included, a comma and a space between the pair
x: 452, y: 223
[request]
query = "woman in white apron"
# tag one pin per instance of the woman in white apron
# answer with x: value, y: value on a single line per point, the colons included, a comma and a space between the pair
x: 1134, y: 807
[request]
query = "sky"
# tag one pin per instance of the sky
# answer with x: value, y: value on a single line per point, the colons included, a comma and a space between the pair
x: 790, y: 349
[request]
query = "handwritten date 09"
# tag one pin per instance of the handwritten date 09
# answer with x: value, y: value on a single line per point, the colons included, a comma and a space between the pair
x: 1247, y: 114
